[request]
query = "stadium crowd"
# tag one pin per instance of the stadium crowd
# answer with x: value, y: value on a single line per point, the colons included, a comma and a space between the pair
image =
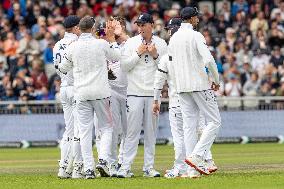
x: 245, y: 37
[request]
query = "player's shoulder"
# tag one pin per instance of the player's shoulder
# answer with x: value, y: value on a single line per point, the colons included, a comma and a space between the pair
x: 134, y: 39
x: 198, y: 34
x: 159, y: 40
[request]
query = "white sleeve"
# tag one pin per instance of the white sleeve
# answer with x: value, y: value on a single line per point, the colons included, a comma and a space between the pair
x: 129, y: 58
x: 67, y: 64
x: 112, y: 51
x: 160, y: 77
x: 207, y: 57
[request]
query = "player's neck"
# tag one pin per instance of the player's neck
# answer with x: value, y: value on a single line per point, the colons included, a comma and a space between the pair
x: 122, y: 38
x: 148, y: 38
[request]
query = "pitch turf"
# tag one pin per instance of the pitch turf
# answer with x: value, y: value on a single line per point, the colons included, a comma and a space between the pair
x: 240, y: 166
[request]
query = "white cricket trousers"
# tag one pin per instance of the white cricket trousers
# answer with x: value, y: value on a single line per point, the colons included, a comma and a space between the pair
x: 140, y: 116
x: 176, y: 124
x: 192, y: 103
x: 70, y: 146
x: 201, y: 125
x: 86, y: 110
x: 118, y: 107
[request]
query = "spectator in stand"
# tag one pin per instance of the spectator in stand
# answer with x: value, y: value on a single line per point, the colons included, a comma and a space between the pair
x: 233, y: 87
x: 280, y: 90
x: 38, y: 75
x: 259, y: 60
x: 45, y: 94
x: 259, y: 23
x: 277, y: 59
x: 246, y: 73
x: 48, y: 60
x: 10, y: 45
x: 252, y: 85
x: 240, y: 5
x: 28, y: 44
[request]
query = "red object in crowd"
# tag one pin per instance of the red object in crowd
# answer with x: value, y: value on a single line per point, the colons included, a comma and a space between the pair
x: 98, y: 7
x: 6, y: 4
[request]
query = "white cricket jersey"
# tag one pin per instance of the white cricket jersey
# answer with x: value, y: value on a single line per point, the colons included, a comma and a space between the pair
x: 141, y: 70
x: 59, y: 52
x: 166, y: 72
x: 88, y: 57
x: 120, y: 83
x: 190, y: 55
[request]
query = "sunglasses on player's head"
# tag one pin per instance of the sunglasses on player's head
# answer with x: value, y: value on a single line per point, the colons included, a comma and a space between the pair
x: 100, y: 32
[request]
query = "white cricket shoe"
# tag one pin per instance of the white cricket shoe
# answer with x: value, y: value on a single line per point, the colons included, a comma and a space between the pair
x: 113, y: 170
x: 90, y: 174
x: 198, y: 164
x: 211, y: 165
x: 63, y: 174
x: 103, y: 168
x: 151, y: 173
x: 78, y: 171
x: 122, y: 173
x: 172, y: 173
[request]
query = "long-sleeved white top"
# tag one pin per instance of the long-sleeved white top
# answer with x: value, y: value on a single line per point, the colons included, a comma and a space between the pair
x: 59, y: 51
x: 141, y: 70
x: 120, y: 83
x: 88, y: 57
x: 190, y: 55
x: 164, y: 73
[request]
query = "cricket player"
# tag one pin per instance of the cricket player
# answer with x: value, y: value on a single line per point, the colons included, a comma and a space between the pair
x: 118, y: 84
x: 189, y: 55
x: 165, y: 72
x: 140, y: 59
x: 88, y: 57
x: 70, y: 143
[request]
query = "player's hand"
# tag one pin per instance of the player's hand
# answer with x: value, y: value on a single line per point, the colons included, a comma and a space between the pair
x: 156, y: 109
x: 111, y: 75
x: 142, y: 49
x: 118, y: 29
x: 110, y: 27
x: 152, y: 50
x: 215, y: 86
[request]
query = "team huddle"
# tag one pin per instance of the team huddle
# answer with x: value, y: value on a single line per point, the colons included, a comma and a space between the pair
x: 113, y: 83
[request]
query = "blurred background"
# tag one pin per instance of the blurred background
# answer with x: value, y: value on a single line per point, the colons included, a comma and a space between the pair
x: 246, y: 38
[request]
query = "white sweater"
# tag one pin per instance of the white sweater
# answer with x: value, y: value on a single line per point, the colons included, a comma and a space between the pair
x: 166, y: 72
x: 141, y: 70
x: 88, y: 57
x: 59, y: 51
x: 118, y: 85
x: 189, y: 55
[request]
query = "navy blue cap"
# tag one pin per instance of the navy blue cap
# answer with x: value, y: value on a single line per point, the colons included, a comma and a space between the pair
x: 174, y: 22
x: 144, y: 18
x: 188, y: 12
x: 71, y: 21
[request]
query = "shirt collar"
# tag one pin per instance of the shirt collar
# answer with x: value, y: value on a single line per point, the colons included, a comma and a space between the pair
x: 85, y: 35
x: 70, y: 35
x: 142, y: 39
x: 186, y: 25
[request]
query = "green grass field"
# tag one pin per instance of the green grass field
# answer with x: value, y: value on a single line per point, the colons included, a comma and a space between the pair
x: 240, y: 166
